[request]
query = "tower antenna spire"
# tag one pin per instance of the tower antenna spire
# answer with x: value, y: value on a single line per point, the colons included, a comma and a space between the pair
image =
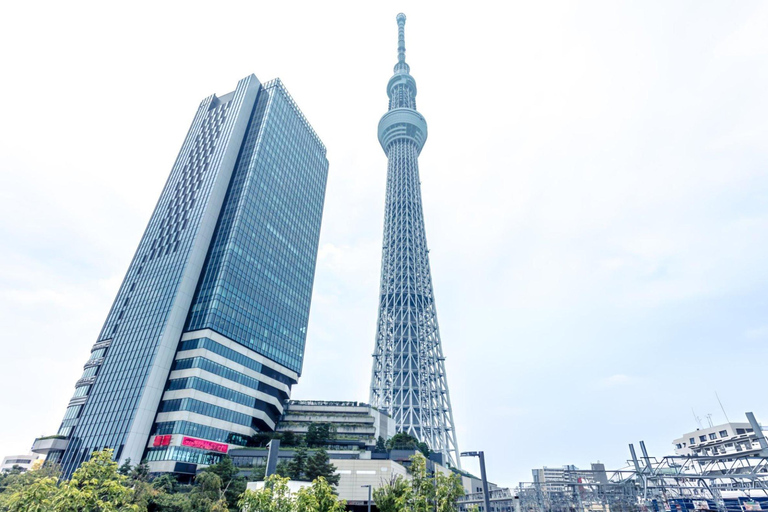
x: 401, y: 64
x: 401, y: 37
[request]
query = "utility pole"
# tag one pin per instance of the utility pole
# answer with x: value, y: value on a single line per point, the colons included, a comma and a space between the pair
x: 486, y: 496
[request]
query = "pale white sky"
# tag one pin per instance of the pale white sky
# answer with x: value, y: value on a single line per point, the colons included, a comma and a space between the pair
x: 594, y: 185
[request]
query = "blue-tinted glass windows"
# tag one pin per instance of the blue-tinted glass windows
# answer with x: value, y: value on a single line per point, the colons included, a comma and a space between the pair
x: 257, y: 282
x: 217, y: 348
x: 81, y: 391
x: 228, y: 373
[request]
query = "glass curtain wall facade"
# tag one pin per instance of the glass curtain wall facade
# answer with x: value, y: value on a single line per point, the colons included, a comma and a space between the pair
x: 206, y: 335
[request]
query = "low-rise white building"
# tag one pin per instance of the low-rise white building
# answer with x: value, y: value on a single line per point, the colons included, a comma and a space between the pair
x: 718, y: 440
x: 24, y: 462
x: 355, y: 474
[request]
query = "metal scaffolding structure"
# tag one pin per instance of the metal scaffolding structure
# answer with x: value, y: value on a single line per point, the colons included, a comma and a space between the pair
x: 408, y: 379
x: 729, y: 483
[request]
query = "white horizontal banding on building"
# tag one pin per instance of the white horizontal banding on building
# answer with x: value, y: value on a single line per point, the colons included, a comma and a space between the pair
x: 212, y: 400
x: 205, y: 421
x: 232, y: 365
x: 234, y: 386
x: 237, y: 347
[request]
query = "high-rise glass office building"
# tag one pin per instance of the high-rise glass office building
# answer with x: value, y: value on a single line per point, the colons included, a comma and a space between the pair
x: 408, y: 380
x: 206, y: 335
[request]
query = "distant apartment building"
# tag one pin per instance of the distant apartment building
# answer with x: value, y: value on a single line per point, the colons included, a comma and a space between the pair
x: 23, y: 462
x: 732, y: 437
x: 553, y: 479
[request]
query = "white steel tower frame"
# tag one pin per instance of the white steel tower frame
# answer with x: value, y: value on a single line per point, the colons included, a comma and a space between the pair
x: 408, y: 379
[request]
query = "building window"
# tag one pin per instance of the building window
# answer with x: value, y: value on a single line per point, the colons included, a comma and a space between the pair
x: 713, y: 436
x: 702, y: 438
x: 740, y: 431
x: 692, y: 440
x: 679, y: 445
x: 723, y: 433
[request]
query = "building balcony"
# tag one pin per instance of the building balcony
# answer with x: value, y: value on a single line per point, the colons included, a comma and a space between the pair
x: 44, y: 445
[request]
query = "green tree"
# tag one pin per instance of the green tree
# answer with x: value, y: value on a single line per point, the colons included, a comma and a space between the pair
x: 289, y: 438
x: 423, y: 493
x: 319, y: 497
x: 422, y: 486
x: 96, y: 486
x: 319, y: 465
x: 273, y: 497
x: 139, y: 473
x: 405, y: 441
x: 166, y: 483
x: 319, y: 434
x: 282, y: 469
x: 165, y: 502
x: 207, y: 494
x: 297, y: 467
x: 257, y: 473
x: 17, y: 485
x: 259, y: 439
x: 231, y: 484
x: 381, y: 445
x: 125, y: 468
x: 393, y: 496
x: 38, y: 496
x: 448, y: 490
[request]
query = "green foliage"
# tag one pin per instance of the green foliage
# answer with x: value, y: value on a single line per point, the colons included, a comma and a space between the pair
x: 297, y: 467
x: 24, y: 490
x: 283, y: 469
x: 405, y: 441
x: 422, y: 486
x: 139, y: 473
x: 393, y: 496
x: 319, y: 465
x: 125, y: 468
x: 424, y: 493
x: 207, y: 495
x: 101, y: 485
x: 257, y: 473
x: 164, y: 502
x: 39, y: 496
x: 231, y: 484
x: 319, y: 434
x: 96, y: 486
x: 259, y: 439
x: 289, y: 438
x: 448, y: 490
x: 319, y: 497
x: 273, y: 497
x: 166, y: 483
x: 381, y: 445
x: 276, y: 497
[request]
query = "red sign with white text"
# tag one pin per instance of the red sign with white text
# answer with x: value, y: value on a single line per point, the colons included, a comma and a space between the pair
x: 162, y: 441
x: 204, y: 445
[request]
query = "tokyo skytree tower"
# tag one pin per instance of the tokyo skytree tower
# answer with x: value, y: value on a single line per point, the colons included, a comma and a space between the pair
x: 408, y: 379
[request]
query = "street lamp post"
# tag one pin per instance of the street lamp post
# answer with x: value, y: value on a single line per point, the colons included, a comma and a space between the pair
x: 486, y: 496
x: 369, y: 496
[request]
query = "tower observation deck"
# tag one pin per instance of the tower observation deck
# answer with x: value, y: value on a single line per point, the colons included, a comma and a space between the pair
x: 408, y: 380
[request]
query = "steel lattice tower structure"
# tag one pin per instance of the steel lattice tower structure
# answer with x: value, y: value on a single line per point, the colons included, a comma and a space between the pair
x: 408, y: 379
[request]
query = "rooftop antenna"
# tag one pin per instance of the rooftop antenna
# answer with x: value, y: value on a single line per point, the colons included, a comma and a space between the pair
x: 698, y: 420
x: 709, y: 419
x: 722, y: 408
